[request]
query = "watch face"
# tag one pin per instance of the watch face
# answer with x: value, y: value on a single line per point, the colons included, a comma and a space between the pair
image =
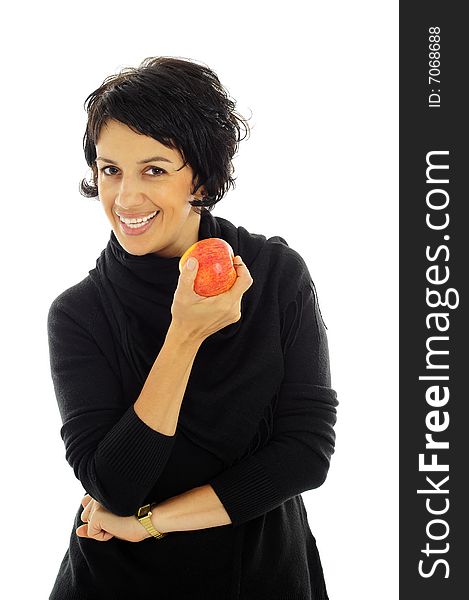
x: 143, y: 510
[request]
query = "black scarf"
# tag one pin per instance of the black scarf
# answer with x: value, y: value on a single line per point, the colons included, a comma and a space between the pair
x: 237, y: 371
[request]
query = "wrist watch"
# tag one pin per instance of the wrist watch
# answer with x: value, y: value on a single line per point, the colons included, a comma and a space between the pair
x: 143, y: 514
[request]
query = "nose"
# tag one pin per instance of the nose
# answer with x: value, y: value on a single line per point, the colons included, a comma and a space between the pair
x: 129, y: 196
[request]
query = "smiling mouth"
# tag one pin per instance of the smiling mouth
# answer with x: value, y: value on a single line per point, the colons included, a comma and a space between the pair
x: 137, y: 228
x: 138, y: 218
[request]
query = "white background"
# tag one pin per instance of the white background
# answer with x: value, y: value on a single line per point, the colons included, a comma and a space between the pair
x: 320, y: 169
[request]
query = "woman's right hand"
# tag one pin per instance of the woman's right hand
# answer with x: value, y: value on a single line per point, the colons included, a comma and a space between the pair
x: 199, y: 316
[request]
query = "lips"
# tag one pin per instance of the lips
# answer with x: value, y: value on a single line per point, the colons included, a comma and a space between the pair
x: 137, y: 228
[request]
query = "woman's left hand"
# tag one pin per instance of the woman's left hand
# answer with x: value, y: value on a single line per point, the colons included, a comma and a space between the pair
x: 102, y: 525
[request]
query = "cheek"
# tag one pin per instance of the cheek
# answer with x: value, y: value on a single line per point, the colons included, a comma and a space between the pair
x: 107, y: 204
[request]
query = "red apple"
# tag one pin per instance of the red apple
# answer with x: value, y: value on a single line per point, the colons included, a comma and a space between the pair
x: 216, y: 273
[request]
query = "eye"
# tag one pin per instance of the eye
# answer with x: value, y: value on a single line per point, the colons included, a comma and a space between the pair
x: 103, y: 170
x: 158, y: 169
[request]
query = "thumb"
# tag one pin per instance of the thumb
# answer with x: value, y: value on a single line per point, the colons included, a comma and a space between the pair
x: 191, y: 266
x: 82, y: 531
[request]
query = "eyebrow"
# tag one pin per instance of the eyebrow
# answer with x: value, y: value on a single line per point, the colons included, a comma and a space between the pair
x: 140, y: 162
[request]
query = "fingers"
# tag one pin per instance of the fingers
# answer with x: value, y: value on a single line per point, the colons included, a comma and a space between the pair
x: 91, y: 529
x: 86, y: 500
x: 238, y: 261
x: 244, y: 280
x: 85, y: 515
x: 190, y: 274
x: 94, y: 529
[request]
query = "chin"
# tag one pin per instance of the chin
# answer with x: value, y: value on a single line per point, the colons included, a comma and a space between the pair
x: 126, y: 243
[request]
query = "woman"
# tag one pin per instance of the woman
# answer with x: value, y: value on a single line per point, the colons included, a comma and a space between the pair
x: 215, y: 411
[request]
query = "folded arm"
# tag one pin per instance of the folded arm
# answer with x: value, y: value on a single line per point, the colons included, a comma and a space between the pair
x: 116, y: 456
x: 296, y: 458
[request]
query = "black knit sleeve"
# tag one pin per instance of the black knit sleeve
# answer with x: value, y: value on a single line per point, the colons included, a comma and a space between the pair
x: 297, y: 456
x: 115, y: 455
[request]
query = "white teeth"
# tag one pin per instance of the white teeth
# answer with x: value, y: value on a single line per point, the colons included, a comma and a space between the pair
x: 135, y: 225
x: 140, y: 220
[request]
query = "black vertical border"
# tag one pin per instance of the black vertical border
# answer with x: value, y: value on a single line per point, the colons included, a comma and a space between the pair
x: 421, y: 130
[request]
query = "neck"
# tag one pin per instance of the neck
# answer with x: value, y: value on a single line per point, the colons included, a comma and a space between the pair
x: 189, y: 235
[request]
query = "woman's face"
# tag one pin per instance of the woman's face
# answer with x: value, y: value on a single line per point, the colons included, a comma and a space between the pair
x: 133, y: 188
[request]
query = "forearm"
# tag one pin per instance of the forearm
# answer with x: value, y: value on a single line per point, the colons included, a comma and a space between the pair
x: 197, y: 508
x: 159, y: 402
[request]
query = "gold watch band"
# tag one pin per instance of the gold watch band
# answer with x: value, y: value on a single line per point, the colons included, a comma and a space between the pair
x: 144, y: 516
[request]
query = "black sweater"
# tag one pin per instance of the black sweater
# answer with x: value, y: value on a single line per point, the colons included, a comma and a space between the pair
x: 268, y: 551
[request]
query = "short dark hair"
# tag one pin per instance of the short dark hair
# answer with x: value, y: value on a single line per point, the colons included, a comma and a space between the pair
x: 180, y: 103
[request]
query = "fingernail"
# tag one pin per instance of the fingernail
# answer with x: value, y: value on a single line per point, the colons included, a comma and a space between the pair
x: 191, y: 262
